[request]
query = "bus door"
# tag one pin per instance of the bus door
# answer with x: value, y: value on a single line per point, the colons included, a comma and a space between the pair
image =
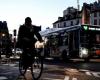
x: 94, y: 43
x: 73, y: 43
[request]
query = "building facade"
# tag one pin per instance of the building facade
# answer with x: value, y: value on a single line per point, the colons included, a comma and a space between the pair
x: 95, y: 13
x: 89, y: 14
x: 5, y: 41
x: 71, y: 16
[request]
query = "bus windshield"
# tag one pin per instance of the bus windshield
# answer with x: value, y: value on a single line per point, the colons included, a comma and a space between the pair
x: 90, y: 39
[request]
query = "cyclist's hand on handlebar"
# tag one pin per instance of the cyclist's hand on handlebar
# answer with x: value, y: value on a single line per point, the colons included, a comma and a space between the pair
x: 39, y: 44
x: 41, y: 41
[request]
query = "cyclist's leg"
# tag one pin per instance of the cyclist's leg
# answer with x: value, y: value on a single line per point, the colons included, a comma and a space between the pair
x: 30, y: 58
x: 24, y: 57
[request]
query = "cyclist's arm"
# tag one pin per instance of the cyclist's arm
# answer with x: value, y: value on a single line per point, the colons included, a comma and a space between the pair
x: 39, y: 36
x: 20, y: 33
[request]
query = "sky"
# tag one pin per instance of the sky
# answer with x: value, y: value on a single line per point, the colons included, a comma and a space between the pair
x: 42, y: 12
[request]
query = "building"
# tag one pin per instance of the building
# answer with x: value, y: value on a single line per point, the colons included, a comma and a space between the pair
x: 71, y: 16
x: 89, y: 14
x: 4, y: 37
x: 95, y: 13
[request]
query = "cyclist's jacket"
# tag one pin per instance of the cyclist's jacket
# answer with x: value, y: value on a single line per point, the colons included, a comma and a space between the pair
x: 27, y: 36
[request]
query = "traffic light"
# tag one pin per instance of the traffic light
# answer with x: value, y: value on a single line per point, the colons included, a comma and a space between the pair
x: 14, y: 32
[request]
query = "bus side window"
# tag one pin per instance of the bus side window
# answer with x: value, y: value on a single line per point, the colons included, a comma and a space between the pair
x: 65, y: 41
x: 98, y: 38
x: 60, y: 41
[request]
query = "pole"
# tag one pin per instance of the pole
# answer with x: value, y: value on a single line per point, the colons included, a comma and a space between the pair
x: 14, y: 42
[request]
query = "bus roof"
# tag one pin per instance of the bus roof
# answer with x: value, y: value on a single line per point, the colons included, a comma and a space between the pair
x: 49, y: 31
x: 55, y: 30
x: 58, y: 30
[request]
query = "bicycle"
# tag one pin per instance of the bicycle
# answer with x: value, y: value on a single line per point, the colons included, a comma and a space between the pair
x: 36, y: 66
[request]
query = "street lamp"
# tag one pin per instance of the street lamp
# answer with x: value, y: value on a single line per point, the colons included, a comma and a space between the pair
x: 2, y: 35
x: 14, y: 32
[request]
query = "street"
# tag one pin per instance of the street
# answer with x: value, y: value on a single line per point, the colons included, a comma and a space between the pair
x: 55, y: 70
x: 31, y: 30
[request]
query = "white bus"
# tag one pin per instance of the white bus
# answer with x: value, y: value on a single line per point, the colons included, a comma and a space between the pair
x: 80, y: 41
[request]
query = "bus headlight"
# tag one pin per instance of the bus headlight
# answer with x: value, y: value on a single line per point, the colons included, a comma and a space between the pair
x: 83, y: 53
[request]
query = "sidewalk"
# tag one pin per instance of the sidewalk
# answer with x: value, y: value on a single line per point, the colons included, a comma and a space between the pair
x: 8, y: 68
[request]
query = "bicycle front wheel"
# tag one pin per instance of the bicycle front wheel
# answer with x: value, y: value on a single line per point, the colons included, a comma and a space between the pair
x: 22, y: 68
x: 37, y: 67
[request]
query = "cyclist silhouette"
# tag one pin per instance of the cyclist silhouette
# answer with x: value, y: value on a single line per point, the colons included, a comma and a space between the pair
x: 26, y: 39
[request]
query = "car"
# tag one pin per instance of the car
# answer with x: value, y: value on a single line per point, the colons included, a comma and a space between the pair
x: 18, y: 51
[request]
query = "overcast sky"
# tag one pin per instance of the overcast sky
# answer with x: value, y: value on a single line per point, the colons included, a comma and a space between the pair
x: 42, y: 12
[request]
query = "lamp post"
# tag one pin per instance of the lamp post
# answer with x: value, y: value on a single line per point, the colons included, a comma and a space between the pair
x: 14, y: 32
x: 1, y: 49
x: 2, y: 37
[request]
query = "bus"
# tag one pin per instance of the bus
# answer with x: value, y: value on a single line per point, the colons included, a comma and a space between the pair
x: 79, y: 41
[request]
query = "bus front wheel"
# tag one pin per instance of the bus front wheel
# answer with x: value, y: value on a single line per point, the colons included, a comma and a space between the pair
x: 86, y: 59
x: 64, y: 55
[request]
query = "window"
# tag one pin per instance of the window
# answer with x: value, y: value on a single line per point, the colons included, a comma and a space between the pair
x: 64, y: 24
x: 71, y: 23
x: 95, y: 21
x: 58, y: 25
x: 54, y: 25
x: 99, y: 21
x: 98, y: 38
x: 99, y: 14
x: 77, y: 22
x: 95, y: 14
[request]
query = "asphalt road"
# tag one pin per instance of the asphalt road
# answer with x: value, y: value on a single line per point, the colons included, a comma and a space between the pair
x: 55, y: 70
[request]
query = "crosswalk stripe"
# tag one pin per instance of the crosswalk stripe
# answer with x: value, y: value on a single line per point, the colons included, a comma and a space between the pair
x: 74, y: 79
x: 66, y: 78
x: 88, y: 73
x: 96, y: 74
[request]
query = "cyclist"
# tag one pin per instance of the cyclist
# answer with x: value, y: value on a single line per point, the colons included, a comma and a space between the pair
x: 27, y: 39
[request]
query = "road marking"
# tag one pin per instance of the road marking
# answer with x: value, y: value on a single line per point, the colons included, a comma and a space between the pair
x: 3, y: 78
x: 74, y: 79
x: 88, y: 73
x: 96, y: 74
x: 84, y: 70
x: 66, y: 78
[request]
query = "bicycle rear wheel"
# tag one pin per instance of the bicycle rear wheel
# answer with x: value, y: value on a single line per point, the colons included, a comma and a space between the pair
x: 37, y: 67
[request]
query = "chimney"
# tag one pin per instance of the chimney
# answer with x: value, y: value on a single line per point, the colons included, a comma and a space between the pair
x: 85, y: 14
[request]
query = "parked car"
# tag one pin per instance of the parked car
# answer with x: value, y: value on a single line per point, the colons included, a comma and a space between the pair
x: 18, y: 51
